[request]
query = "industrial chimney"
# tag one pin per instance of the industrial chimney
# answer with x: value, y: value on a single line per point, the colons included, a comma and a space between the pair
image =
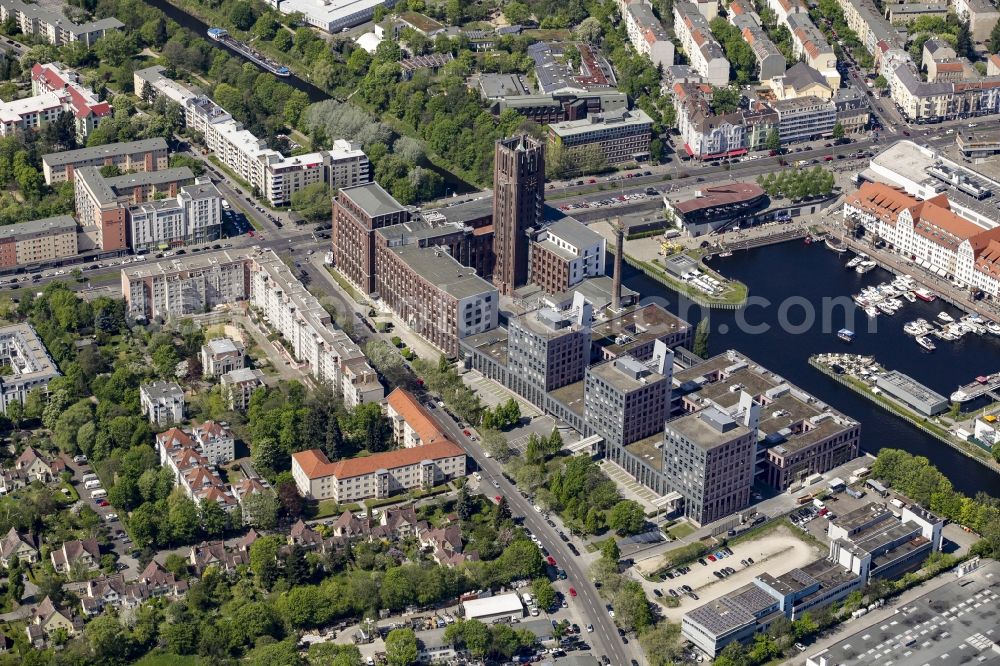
x: 616, y: 285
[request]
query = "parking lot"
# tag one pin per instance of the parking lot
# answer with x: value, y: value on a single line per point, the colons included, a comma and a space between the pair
x: 957, y: 623
x: 777, y: 550
x: 96, y: 498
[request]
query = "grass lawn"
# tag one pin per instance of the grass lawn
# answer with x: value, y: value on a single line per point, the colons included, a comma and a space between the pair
x: 735, y: 292
x: 347, y: 286
x: 681, y: 530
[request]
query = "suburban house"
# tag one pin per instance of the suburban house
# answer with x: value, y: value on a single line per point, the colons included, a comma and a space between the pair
x: 33, y: 467
x: 16, y: 546
x: 76, y: 553
x: 46, y: 619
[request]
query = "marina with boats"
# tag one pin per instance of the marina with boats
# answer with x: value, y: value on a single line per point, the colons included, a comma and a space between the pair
x: 906, y: 398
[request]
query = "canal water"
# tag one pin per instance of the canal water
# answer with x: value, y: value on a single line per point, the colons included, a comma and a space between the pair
x: 788, y: 280
x: 454, y: 184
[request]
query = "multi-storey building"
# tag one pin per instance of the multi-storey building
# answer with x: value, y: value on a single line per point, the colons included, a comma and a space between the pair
x: 619, y: 137
x: 180, y: 287
x: 548, y: 349
x: 412, y: 423
x: 565, y: 253
x: 31, y: 367
x: 518, y: 195
x: 626, y: 400
x: 805, y: 118
x: 924, y: 101
x: 801, y: 80
x: 708, y: 459
x: 930, y: 233
x: 869, y: 24
x: 707, y: 135
x: 53, y: 79
x: 982, y: 16
x: 238, y: 387
x: 647, y: 34
x: 466, y: 229
x: 276, y: 177
x: 770, y: 61
x: 702, y: 49
x: 194, y: 216
x: 809, y: 44
x: 222, y: 355
x: 853, y: 109
x: 37, y: 241
x: 379, y: 475
x: 162, y: 402
x: 798, y: 434
x: 437, y: 297
x: 216, y: 442
x: 53, y: 26
x: 142, y: 155
x: 357, y: 212
x: 193, y: 459
x: 291, y: 311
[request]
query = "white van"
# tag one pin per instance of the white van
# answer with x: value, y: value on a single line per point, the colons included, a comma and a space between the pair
x: 100, y: 493
x: 89, y: 477
x: 93, y: 483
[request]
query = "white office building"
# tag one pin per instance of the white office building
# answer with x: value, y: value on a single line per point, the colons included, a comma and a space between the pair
x: 194, y: 216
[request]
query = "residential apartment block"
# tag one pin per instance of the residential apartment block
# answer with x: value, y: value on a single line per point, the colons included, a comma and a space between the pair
x: 31, y: 367
x: 238, y: 387
x: 805, y: 118
x: 307, y: 328
x: 275, y: 176
x: 222, y: 355
x: 705, y: 134
x: 184, y: 286
x: 141, y: 155
x: 563, y: 254
x: 982, y: 16
x: 379, y: 475
x: 55, y: 79
x: 194, y: 216
x: 53, y: 26
x: 620, y: 137
x: 412, y: 423
x: 55, y: 91
x: 193, y: 462
x: 646, y: 33
x: 930, y: 233
x: 37, y: 241
x: 770, y: 61
x: 809, y: 44
x: 162, y: 402
x: 702, y: 49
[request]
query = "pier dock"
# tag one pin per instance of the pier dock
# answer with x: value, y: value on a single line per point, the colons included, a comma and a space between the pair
x: 978, y: 388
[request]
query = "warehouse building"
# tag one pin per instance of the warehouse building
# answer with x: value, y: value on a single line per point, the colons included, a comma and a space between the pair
x: 912, y: 393
x: 499, y: 608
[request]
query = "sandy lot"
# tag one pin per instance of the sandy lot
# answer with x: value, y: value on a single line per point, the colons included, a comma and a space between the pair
x: 775, y: 552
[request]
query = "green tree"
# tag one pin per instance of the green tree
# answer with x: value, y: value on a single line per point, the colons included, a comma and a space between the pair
x: 701, y: 334
x: 880, y: 82
x: 773, y: 140
x: 109, y: 642
x: 627, y: 517
x: 545, y: 595
x: 262, y: 510
x: 185, y: 523
x: 725, y: 100
x: 242, y: 15
x: 215, y: 520
x: 963, y: 41
x: 401, y: 647
x: 838, y: 130
x: 610, y: 551
x: 994, y: 42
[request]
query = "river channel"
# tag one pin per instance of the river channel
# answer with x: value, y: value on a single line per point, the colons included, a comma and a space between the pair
x: 453, y: 183
x: 809, y: 274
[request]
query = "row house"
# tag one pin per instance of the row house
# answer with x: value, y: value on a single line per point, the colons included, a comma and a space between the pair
x: 809, y: 45
x: 115, y: 592
x: 444, y: 544
x: 770, y: 60
x: 930, y: 233
x: 192, y: 459
x: 647, y: 34
x: 47, y: 619
x: 77, y: 554
x: 215, y: 554
x: 703, y: 51
x: 14, y: 546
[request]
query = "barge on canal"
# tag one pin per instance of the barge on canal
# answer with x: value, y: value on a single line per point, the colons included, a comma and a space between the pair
x: 222, y: 35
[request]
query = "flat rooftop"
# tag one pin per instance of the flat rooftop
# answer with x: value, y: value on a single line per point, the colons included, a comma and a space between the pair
x: 142, y: 178
x: 571, y: 395
x: 622, y: 378
x: 852, y: 520
x: 953, y: 624
x: 649, y: 451
x: 491, y: 343
x: 696, y: 428
x: 106, y: 150
x: 43, y: 227
x: 636, y: 326
x: 187, y: 264
x: 462, y: 213
x: 22, y: 351
x: 439, y: 268
x: 372, y: 199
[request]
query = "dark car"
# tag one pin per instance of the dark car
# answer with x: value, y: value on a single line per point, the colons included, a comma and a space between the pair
x: 657, y: 593
x: 573, y: 549
x: 180, y: 252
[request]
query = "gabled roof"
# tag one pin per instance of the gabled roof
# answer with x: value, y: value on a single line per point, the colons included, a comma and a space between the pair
x: 416, y: 416
x: 316, y: 465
